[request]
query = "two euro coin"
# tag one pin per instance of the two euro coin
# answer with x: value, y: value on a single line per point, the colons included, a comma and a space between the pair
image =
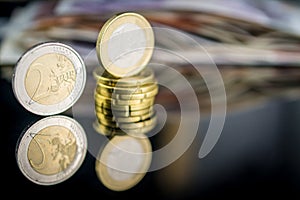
x: 49, y: 78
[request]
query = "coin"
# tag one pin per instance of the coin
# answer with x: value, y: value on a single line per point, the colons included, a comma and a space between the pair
x: 123, y: 162
x: 117, y: 113
x: 121, y: 102
x: 136, y: 125
x: 51, y: 150
x: 130, y: 90
x: 49, y: 78
x: 118, y: 119
x: 129, y: 96
x: 125, y: 44
x: 134, y: 96
x: 109, y: 131
x: 144, y: 77
x: 124, y: 108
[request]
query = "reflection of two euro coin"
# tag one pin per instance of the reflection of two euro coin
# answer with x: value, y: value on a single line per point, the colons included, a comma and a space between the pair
x: 49, y: 78
x: 123, y: 162
x: 51, y: 150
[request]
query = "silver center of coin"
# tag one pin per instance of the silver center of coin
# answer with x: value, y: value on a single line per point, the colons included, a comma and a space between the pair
x: 126, y: 45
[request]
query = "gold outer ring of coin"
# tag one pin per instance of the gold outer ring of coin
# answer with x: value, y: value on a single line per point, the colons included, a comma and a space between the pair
x: 107, y: 31
x: 144, y: 77
x: 111, y: 176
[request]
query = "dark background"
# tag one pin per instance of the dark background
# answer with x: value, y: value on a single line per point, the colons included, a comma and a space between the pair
x: 258, y: 155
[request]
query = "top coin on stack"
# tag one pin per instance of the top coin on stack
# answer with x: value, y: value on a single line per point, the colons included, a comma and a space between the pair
x: 125, y: 44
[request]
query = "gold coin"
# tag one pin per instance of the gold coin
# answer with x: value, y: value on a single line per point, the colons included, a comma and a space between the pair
x: 105, y: 130
x: 107, y: 122
x: 137, y: 125
x: 109, y: 90
x: 139, y: 132
x: 119, y: 120
x: 123, y: 162
x: 120, y: 102
x: 110, y: 131
x: 122, y: 113
x: 146, y: 76
x: 149, y: 94
x: 125, y: 44
x: 103, y: 110
x: 124, y: 108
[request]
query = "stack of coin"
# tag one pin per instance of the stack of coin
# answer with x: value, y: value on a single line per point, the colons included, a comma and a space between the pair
x: 125, y: 105
x: 126, y: 87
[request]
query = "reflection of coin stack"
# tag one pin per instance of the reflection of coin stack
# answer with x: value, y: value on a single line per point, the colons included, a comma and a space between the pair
x: 125, y: 106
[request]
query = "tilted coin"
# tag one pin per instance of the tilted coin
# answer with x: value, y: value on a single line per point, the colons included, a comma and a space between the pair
x: 51, y: 150
x: 125, y: 44
x: 49, y: 78
x: 144, y: 77
x: 123, y: 162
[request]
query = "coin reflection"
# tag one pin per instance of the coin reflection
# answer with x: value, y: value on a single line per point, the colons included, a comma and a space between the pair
x: 51, y: 150
x: 123, y: 162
